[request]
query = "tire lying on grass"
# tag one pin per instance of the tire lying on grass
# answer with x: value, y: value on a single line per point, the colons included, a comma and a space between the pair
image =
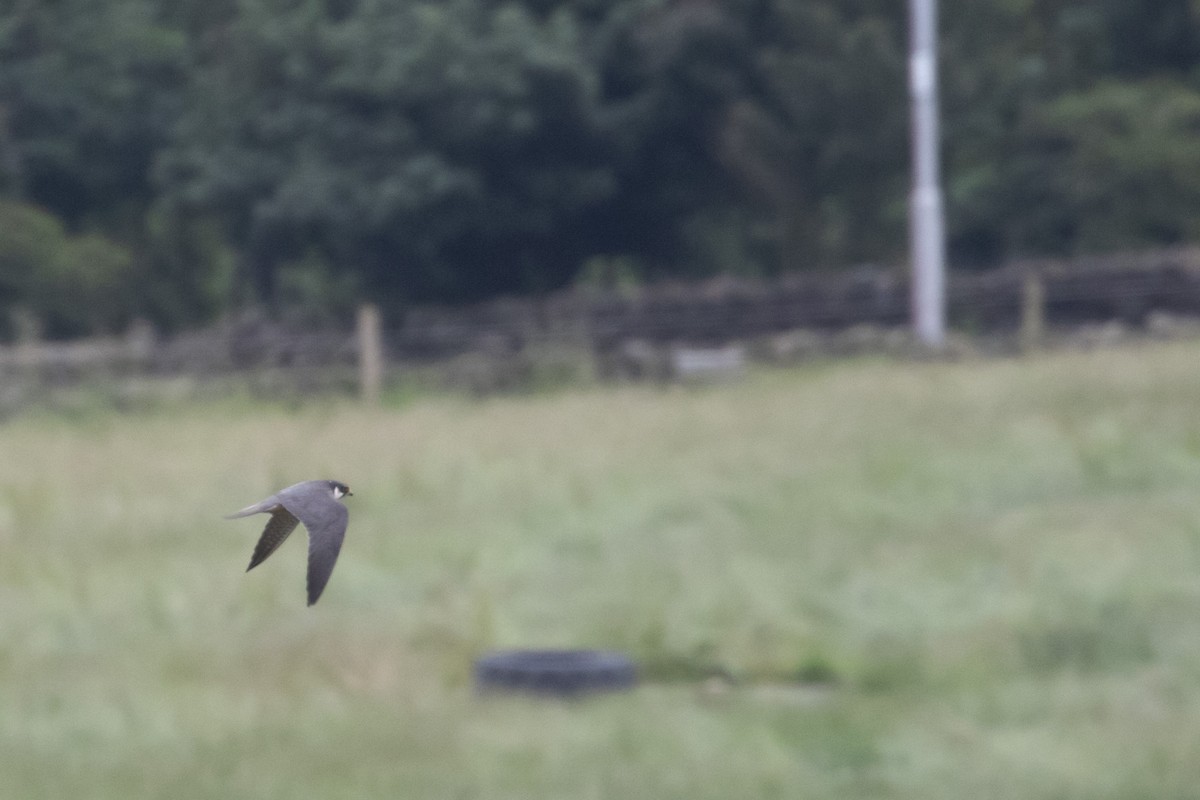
x: 561, y: 673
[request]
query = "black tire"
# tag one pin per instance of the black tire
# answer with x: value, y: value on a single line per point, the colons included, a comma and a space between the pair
x: 562, y: 673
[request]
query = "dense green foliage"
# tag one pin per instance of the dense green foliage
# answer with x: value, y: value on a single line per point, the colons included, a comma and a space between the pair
x: 312, y: 151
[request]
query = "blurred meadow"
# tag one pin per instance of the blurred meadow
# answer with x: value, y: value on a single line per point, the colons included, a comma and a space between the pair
x: 865, y: 579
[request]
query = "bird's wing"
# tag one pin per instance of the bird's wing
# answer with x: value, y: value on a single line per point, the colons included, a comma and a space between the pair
x: 280, y: 526
x: 326, y: 521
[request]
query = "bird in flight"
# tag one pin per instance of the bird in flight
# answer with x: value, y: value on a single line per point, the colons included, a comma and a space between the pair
x: 318, y: 505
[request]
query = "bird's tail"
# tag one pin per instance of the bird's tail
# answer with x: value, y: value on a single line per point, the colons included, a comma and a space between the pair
x: 245, y: 512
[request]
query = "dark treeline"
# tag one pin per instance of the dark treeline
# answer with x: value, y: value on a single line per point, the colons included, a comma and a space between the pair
x: 172, y: 159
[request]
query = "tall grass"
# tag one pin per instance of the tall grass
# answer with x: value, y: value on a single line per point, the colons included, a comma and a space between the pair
x: 920, y: 581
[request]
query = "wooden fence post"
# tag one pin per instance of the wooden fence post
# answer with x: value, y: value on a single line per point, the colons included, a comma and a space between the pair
x: 370, y: 353
x: 1033, y: 311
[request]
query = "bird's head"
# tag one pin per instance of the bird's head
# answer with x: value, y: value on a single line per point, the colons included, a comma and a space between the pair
x: 340, y: 490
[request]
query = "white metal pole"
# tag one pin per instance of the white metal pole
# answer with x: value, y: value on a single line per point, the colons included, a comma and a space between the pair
x: 927, y: 229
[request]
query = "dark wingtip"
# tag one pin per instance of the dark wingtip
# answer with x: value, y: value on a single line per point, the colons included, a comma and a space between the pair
x: 314, y: 594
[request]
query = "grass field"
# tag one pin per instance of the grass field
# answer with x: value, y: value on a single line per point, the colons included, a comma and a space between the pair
x: 928, y: 580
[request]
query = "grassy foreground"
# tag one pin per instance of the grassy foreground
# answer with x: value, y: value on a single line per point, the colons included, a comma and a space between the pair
x: 929, y: 580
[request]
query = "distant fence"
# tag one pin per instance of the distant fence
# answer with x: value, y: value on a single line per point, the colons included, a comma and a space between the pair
x: 1123, y: 288
x: 645, y: 332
